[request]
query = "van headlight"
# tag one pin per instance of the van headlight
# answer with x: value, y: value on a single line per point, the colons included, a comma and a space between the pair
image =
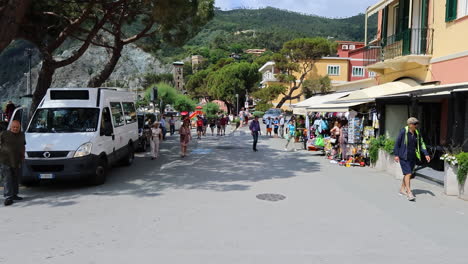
x: 83, y: 150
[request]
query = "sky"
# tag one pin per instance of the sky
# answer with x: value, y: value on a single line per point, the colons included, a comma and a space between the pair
x: 325, y: 8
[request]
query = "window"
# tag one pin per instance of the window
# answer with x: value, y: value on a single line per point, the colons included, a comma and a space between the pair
x: 372, y: 74
x: 462, y: 8
x: 64, y: 120
x: 358, y: 71
x: 129, y: 112
x: 345, y: 47
x: 333, y: 70
x: 352, y: 47
x: 451, y: 10
x: 117, y: 115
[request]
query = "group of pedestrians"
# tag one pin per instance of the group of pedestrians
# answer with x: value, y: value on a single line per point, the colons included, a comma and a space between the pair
x: 217, y: 123
x: 276, y: 125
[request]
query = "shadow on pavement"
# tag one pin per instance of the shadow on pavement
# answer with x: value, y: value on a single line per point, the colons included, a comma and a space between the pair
x: 418, y: 191
x: 226, y: 164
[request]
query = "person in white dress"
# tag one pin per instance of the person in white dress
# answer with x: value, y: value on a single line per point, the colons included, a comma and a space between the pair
x: 156, y: 137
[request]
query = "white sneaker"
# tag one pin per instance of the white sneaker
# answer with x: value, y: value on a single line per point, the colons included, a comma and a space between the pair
x: 285, y: 149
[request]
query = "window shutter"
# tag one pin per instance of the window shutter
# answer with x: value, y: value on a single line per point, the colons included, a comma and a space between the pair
x: 384, y: 26
x: 451, y: 10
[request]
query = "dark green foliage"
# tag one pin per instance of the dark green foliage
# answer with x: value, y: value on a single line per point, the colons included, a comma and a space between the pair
x: 184, y: 103
x: 267, y: 28
x: 151, y: 78
x: 211, y: 110
x: 462, y: 160
x: 312, y: 87
x: 374, y: 146
x: 389, y: 145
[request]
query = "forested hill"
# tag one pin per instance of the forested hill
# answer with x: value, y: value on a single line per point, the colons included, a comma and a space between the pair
x: 271, y: 27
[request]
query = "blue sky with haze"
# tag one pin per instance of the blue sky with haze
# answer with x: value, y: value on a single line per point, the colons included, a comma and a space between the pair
x: 326, y: 8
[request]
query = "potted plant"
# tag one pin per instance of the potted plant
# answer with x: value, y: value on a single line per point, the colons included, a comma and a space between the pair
x: 456, y: 170
x: 450, y: 175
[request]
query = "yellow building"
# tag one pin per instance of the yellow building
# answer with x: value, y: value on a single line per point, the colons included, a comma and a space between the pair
x: 425, y: 41
x: 336, y: 68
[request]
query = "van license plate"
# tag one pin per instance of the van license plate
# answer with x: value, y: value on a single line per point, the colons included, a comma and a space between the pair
x: 46, y: 176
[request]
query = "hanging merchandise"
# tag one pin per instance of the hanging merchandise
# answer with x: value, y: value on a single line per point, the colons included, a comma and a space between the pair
x: 354, y: 131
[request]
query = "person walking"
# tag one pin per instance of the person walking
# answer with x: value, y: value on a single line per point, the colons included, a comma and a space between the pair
x: 212, y: 125
x: 276, y: 127
x: 290, y: 133
x: 12, y: 149
x: 205, y: 124
x: 223, y: 123
x: 185, y: 137
x: 281, y: 126
x: 269, y: 124
x: 172, y: 125
x: 156, y: 137
x: 218, y: 126
x: 9, y: 109
x: 163, y: 127
x: 199, y: 127
x: 255, y: 129
x: 408, y: 148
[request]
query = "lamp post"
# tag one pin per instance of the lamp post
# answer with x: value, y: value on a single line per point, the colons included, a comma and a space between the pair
x: 237, y: 96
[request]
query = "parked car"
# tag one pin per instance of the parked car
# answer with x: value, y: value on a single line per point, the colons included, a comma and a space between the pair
x: 79, y: 133
x: 273, y: 113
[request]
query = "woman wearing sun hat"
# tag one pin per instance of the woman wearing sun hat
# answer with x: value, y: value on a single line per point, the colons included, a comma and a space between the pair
x: 408, y: 148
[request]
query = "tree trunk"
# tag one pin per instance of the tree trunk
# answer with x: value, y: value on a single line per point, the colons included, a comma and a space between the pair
x: 103, y: 75
x: 289, y: 96
x: 11, y: 17
x: 43, y: 83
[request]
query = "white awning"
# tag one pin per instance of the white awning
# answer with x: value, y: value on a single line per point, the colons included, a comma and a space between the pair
x: 300, y: 108
x: 379, y: 6
x: 390, y: 88
x: 333, y: 107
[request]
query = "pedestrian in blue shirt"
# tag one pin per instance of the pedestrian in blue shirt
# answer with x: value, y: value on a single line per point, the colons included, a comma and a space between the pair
x: 408, y: 148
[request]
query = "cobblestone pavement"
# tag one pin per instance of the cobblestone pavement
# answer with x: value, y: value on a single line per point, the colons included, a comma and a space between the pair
x: 226, y: 204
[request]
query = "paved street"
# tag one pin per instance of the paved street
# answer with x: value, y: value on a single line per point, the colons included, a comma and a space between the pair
x: 204, y: 209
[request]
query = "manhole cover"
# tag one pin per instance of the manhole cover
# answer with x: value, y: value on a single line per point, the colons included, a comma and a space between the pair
x: 272, y: 197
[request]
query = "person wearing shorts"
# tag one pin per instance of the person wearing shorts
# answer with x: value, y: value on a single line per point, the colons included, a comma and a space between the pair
x: 290, y: 133
x: 223, y: 123
x: 199, y: 127
x: 269, y: 126
x: 275, y: 127
x: 408, y: 148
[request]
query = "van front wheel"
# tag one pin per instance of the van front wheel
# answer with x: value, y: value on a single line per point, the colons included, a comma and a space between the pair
x: 130, y: 156
x: 100, y: 173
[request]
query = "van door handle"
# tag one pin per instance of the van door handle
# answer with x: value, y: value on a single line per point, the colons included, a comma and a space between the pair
x: 113, y: 137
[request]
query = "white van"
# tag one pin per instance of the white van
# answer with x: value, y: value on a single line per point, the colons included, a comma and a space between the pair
x: 80, y: 133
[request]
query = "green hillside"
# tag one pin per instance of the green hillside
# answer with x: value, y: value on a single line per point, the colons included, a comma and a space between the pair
x: 270, y: 28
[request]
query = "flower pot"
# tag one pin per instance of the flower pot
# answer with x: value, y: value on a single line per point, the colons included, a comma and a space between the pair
x: 451, y: 186
x: 463, y: 191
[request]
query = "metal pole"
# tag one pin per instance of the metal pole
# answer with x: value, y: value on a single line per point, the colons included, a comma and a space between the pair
x: 365, y: 29
x: 237, y: 95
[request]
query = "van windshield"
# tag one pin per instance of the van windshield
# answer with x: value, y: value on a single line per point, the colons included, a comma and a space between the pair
x: 64, y: 120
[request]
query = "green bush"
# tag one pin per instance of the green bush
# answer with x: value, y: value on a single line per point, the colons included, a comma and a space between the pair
x: 376, y: 144
x: 462, y: 160
x: 183, y: 103
x: 389, y: 145
x: 258, y: 114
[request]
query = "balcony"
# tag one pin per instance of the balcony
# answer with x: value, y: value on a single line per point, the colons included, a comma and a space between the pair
x: 413, y: 45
